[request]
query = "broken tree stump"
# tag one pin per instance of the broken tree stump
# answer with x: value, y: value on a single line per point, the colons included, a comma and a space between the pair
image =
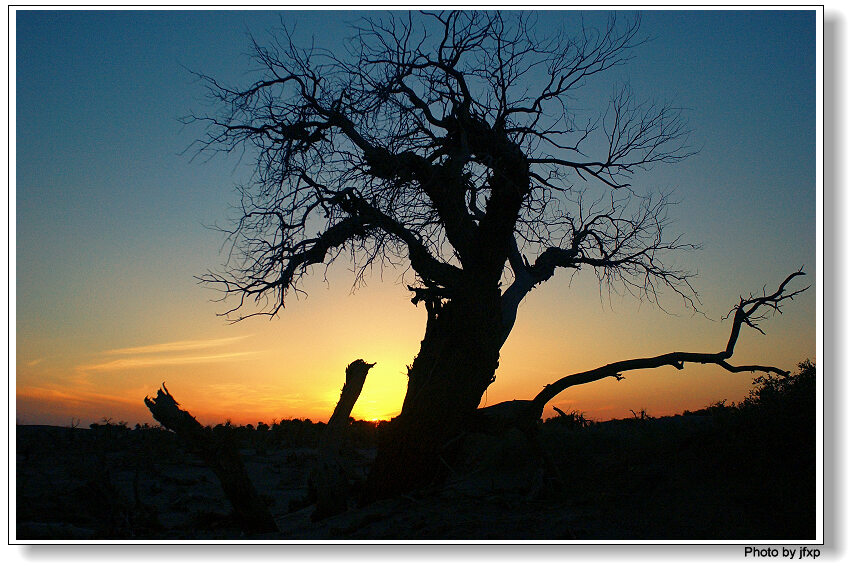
x: 220, y: 454
x: 328, y: 479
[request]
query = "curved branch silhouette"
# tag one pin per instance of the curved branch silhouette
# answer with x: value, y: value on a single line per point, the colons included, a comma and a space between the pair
x: 746, y: 312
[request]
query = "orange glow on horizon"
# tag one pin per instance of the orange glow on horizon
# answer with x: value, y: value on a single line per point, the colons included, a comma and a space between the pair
x: 294, y: 367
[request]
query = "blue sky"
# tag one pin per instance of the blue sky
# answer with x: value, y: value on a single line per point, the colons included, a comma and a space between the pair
x: 111, y: 215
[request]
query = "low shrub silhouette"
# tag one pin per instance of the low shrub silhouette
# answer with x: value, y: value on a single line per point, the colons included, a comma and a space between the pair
x: 778, y: 423
x: 793, y: 394
x: 571, y: 420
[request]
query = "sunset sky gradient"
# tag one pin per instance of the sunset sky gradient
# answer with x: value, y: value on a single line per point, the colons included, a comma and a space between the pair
x: 111, y: 225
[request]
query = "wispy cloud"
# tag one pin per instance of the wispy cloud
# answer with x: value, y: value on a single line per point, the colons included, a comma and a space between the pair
x: 181, y: 346
x: 151, y: 361
x: 166, y: 354
x: 69, y: 397
x: 34, y: 363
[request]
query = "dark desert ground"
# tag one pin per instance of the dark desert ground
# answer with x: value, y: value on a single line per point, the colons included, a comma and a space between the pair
x: 726, y: 472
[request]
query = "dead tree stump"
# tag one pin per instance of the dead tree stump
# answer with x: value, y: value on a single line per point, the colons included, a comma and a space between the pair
x: 328, y: 479
x: 221, y: 454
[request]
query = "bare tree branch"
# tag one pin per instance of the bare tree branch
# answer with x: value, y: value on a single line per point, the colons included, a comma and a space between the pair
x: 624, y: 247
x: 746, y: 311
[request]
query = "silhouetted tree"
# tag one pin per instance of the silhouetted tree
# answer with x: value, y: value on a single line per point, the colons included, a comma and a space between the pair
x: 449, y: 143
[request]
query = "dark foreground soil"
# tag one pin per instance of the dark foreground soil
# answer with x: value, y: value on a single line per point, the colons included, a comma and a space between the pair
x: 713, y: 476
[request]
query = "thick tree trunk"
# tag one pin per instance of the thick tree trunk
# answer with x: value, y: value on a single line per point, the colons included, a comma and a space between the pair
x: 460, y: 351
x: 456, y: 363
